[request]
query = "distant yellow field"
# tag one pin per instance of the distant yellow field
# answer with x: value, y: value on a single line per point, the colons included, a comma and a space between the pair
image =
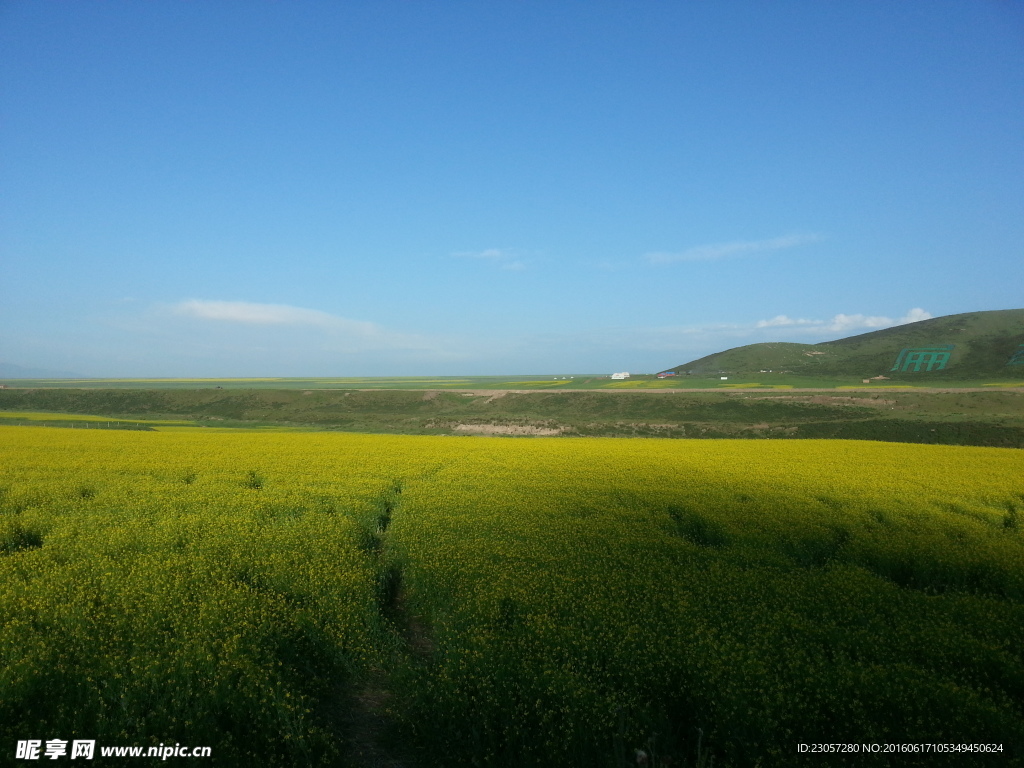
x: 188, y: 427
x: 641, y: 384
x: 760, y: 386
x: 182, y: 381
x: 537, y: 384
x: 41, y: 416
x: 880, y: 386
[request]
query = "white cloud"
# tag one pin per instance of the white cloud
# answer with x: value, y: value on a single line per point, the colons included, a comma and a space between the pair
x: 502, y: 258
x: 843, y: 323
x: 258, y: 314
x: 343, y: 333
x: 488, y: 254
x: 781, y: 321
x: 913, y: 316
x: 715, y: 251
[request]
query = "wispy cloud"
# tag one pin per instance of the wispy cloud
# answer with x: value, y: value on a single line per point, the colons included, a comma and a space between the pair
x: 716, y: 251
x: 502, y: 258
x: 351, y: 334
x: 842, y: 323
x: 258, y: 314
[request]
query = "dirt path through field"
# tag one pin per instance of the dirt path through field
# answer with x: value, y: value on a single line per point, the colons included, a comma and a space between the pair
x: 367, y: 725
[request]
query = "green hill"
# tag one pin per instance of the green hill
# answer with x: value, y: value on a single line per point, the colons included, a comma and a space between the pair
x: 981, y: 345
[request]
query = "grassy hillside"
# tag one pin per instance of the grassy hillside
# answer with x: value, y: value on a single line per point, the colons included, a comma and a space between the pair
x: 980, y: 345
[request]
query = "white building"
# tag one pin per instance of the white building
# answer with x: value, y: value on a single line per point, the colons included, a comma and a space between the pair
x: 622, y: 375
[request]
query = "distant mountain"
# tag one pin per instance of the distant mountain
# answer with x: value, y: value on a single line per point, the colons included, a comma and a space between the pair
x: 11, y: 371
x: 970, y: 345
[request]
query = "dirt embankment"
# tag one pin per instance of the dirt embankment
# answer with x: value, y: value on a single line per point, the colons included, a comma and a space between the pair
x: 507, y: 429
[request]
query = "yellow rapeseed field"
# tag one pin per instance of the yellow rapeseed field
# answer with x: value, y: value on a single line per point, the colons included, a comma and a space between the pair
x: 528, y: 601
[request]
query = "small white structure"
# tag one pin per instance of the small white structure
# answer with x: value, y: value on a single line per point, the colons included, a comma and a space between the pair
x: 622, y: 375
x: 725, y: 378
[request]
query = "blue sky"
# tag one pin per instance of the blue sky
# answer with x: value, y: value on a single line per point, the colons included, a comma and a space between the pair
x: 404, y: 188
